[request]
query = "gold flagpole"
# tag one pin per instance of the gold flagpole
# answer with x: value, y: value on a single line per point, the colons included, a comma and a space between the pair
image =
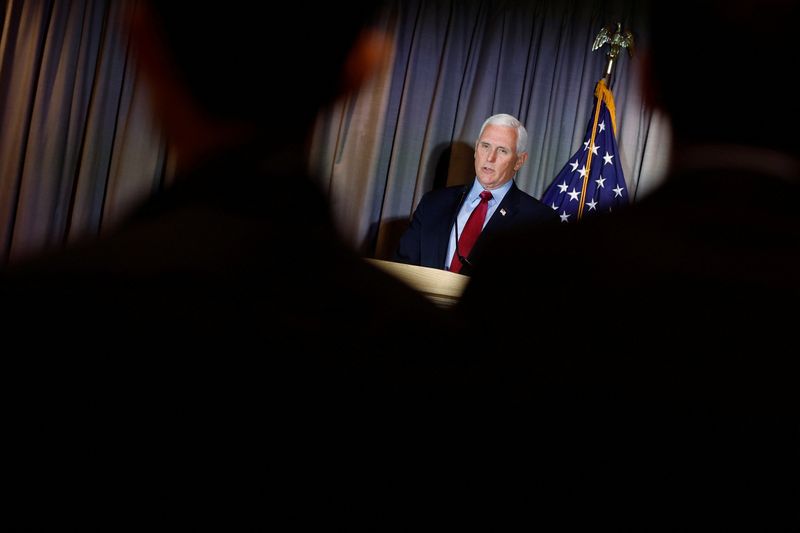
x: 599, y: 95
x: 617, y: 40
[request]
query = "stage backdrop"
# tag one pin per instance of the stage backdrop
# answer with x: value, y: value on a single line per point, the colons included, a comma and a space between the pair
x: 78, y: 148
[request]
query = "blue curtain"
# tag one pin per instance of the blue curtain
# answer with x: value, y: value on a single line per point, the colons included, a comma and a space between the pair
x: 78, y: 145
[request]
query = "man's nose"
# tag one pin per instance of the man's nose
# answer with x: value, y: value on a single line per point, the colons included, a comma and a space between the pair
x: 492, y: 156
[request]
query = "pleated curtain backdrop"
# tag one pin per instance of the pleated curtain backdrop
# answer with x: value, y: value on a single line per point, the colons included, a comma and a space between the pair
x: 78, y: 145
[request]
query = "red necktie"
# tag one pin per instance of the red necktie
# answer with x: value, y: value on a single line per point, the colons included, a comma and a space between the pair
x: 471, y: 231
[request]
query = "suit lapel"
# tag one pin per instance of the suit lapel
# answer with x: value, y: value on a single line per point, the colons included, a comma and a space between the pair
x: 505, y: 212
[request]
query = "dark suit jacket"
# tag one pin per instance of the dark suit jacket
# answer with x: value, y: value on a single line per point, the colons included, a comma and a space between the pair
x: 425, y: 242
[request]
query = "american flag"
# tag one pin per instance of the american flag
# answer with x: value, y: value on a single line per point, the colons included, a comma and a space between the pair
x: 592, y: 181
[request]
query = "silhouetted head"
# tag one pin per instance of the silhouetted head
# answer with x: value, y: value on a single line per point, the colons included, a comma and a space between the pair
x: 248, y: 61
x: 223, y: 73
x: 721, y: 70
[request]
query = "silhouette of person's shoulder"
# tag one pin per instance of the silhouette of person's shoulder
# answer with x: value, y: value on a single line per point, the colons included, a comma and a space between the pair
x: 661, y: 325
x: 236, y: 309
x: 237, y: 242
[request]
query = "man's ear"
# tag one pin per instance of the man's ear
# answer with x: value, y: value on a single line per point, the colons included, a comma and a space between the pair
x: 370, y: 51
x: 521, y: 158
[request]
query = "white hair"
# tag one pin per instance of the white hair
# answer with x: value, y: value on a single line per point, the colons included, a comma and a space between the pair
x: 507, y: 120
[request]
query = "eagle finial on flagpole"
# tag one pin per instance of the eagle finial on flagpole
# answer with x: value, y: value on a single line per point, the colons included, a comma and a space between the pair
x: 618, y: 39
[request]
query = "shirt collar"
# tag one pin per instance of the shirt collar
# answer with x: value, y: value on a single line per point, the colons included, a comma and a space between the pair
x: 497, y: 194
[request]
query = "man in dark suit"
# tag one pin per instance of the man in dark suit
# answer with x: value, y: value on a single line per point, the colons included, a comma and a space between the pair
x: 664, y: 367
x: 434, y: 238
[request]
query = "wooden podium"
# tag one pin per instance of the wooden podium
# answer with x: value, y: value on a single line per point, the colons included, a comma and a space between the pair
x: 441, y: 286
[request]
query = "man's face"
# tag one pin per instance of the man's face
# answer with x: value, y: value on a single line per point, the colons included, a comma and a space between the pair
x: 496, y: 158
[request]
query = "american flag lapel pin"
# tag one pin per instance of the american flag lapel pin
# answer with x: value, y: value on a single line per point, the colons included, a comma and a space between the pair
x: 503, y: 212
